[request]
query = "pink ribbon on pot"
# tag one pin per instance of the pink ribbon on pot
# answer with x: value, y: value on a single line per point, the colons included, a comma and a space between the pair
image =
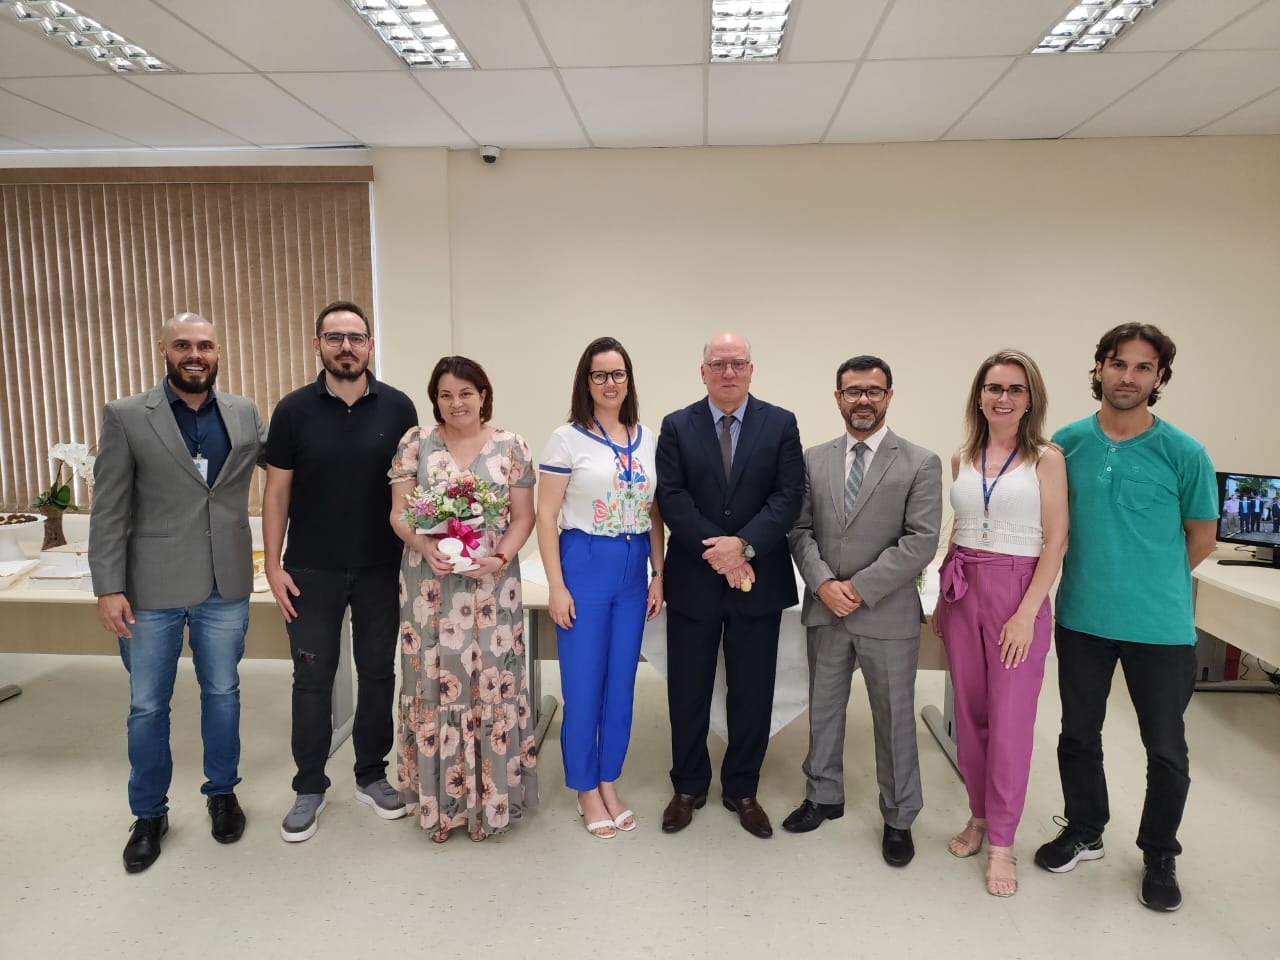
x: 468, y: 535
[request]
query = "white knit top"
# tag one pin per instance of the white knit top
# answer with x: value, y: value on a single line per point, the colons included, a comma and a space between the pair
x: 1013, y: 526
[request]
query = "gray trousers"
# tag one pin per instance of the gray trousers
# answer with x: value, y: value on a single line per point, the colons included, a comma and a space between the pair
x: 889, y: 668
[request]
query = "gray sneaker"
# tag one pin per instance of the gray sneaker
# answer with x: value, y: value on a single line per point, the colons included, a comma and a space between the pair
x: 302, y: 820
x: 383, y: 798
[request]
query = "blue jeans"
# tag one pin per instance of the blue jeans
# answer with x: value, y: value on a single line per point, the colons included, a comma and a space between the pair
x: 217, y: 629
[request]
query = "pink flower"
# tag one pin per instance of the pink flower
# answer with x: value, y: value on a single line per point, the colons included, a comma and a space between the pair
x: 449, y: 742
x: 471, y: 658
x: 497, y: 811
x: 431, y: 662
x: 490, y: 685
x: 513, y: 771
x: 501, y: 639
x: 469, y: 724
x: 506, y: 685
x: 528, y: 752
x: 428, y: 812
x: 486, y: 611
x: 601, y: 511
x: 507, y: 712
x: 404, y: 590
x: 428, y: 736
x: 487, y: 788
x: 410, y: 641
x: 463, y: 611
x: 455, y: 780
x: 522, y: 707
x: 509, y: 595
x: 517, y: 639
x: 499, y: 740
x: 451, y: 634
x: 450, y: 688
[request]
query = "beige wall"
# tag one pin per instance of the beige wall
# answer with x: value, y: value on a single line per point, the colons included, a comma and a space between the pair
x: 930, y: 255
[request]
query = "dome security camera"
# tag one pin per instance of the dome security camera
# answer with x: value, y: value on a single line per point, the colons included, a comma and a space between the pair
x: 490, y: 154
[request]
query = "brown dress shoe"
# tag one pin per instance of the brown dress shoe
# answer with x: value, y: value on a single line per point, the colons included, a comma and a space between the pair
x: 679, y: 812
x: 751, y: 815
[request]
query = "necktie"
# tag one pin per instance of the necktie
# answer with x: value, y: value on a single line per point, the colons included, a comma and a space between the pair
x: 726, y: 444
x: 856, y: 472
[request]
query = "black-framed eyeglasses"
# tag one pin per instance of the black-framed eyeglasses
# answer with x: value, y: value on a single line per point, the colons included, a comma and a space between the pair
x: 854, y: 394
x: 993, y: 390
x: 598, y: 377
x: 335, y: 339
x: 718, y: 367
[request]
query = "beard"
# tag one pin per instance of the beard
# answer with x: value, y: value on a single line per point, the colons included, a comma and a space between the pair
x: 191, y: 383
x: 352, y: 370
x: 1127, y: 401
x: 865, y: 423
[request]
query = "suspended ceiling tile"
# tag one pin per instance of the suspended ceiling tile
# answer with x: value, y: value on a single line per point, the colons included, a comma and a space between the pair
x: 294, y: 35
x: 638, y: 106
x: 770, y: 103
x: 1195, y: 89
x: 912, y: 99
x: 42, y: 127
x: 496, y: 33
x: 830, y: 29
x: 952, y: 28
x: 273, y: 117
x: 379, y: 109
x: 1260, y: 117
x: 620, y: 33
x: 115, y: 104
x: 507, y: 108
x: 1047, y: 95
x: 163, y: 35
x: 1178, y: 26
x: 1259, y: 29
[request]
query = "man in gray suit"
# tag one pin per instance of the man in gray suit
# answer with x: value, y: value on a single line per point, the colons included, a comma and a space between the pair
x: 869, y: 525
x: 170, y: 548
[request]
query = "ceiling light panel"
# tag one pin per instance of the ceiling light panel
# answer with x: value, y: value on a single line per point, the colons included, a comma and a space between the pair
x: 747, y: 29
x: 414, y: 31
x: 1092, y: 24
x: 61, y: 23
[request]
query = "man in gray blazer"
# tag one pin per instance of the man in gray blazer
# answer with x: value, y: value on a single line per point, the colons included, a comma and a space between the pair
x: 170, y: 548
x: 868, y: 526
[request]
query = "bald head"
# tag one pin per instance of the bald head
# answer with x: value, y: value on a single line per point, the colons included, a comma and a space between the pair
x: 190, y: 350
x: 726, y: 370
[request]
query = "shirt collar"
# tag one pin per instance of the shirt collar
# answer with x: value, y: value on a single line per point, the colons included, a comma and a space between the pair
x: 717, y: 414
x: 873, y: 442
x: 370, y: 385
x: 172, y: 396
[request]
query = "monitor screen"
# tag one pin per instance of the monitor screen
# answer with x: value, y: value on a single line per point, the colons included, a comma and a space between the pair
x: 1249, y: 511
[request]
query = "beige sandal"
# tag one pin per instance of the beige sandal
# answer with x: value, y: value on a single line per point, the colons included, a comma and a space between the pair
x: 440, y: 836
x: 1002, y: 875
x: 964, y: 844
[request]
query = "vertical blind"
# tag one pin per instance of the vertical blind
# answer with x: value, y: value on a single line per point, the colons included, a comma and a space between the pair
x: 90, y: 270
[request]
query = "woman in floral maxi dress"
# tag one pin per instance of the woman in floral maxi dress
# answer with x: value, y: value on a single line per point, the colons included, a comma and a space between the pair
x: 466, y: 736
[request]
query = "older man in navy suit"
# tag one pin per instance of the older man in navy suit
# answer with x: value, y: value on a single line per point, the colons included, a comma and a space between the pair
x: 730, y: 484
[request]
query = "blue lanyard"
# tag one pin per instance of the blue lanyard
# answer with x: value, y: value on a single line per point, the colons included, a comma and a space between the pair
x: 627, y: 475
x: 986, y: 493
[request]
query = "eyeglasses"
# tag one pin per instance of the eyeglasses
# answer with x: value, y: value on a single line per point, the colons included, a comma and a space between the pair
x: 599, y: 377
x: 335, y: 339
x: 718, y: 367
x: 854, y: 394
x: 995, y: 391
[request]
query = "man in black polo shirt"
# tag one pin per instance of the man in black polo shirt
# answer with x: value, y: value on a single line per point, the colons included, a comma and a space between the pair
x: 328, y: 451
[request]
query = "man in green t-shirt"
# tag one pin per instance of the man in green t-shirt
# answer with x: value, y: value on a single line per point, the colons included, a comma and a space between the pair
x: 1144, y: 508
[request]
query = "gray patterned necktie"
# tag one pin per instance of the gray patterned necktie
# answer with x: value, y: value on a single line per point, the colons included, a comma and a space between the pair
x: 726, y: 443
x: 856, y: 473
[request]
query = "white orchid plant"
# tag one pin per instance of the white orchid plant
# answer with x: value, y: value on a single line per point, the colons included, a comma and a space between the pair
x: 76, y: 458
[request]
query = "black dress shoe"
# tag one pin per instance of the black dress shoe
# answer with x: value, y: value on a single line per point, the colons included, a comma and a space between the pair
x: 679, y: 812
x: 897, y: 847
x: 144, y: 842
x: 227, y: 817
x: 751, y: 815
x: 809, y: 816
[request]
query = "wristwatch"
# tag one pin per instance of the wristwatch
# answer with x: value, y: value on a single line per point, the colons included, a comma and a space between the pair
x: 748, y: 551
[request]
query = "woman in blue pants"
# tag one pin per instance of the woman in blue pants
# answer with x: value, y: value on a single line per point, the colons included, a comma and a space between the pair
x: 598, y: 529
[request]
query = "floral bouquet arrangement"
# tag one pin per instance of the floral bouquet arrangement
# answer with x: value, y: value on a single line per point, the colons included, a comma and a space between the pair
x: 451, y: 509
x: 68, y: 456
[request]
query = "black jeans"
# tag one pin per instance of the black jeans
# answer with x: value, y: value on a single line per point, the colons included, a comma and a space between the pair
x: 1160, y: 679
x: 372, y: 593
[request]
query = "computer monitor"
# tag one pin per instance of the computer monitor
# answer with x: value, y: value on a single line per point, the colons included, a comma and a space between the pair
x: 1249, y: 516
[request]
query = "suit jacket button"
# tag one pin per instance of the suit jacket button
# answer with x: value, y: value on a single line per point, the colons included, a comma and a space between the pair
x: 728, y: 513
x: 206, y: 533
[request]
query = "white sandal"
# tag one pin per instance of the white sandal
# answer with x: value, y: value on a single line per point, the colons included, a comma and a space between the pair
x: 599, y: 825
x: 623, y: 816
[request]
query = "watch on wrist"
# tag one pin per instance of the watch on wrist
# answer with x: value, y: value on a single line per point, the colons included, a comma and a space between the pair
x: 748, y: 551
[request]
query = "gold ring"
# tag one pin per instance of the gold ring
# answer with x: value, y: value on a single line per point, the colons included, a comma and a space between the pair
x: 745, y: 585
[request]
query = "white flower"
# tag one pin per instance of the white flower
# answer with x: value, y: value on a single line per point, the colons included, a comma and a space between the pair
x: 476, y: 509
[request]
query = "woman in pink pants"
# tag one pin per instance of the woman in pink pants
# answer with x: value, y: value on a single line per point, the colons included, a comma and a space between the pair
x: 1010, y: 500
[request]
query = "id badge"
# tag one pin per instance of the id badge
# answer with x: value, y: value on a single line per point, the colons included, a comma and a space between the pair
x: 202, y: 465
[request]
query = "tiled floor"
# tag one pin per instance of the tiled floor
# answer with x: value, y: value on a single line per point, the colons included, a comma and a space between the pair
x: 365, y: 887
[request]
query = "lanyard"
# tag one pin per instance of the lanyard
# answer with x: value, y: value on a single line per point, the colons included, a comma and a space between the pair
x: 629, y: 474
x: 986, y: 493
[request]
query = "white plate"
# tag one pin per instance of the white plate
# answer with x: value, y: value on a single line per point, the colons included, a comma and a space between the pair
x: 11, y: 571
